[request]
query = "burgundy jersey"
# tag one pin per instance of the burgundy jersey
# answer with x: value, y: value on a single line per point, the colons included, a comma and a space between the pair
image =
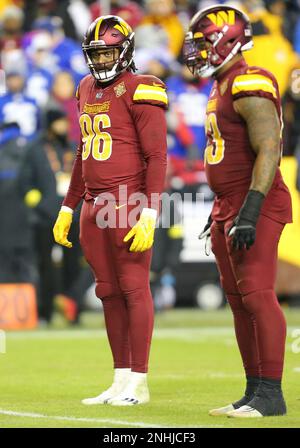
x: 123, y: 137
x: 229, y: 158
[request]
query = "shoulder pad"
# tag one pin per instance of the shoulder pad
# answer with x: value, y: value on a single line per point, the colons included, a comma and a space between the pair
x: 150, y: 89
x: 255, y: 81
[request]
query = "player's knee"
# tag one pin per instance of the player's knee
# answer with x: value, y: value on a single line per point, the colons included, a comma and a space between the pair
x: 129, y: 284
x: 229, y: 286
x: 260, y: 301
x: 235, y: 301
x: 249, y: 284
x: 105, y: 290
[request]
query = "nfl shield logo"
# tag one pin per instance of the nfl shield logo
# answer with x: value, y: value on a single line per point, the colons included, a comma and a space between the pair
x: 99, y: 95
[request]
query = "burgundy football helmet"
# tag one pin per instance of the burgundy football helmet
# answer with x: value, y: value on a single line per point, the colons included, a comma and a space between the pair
x: 109, y: 33
x: 216, y: 34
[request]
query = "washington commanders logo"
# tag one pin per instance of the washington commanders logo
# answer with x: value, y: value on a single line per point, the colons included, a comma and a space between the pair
x: 222, y: 18
x: 96, y: 108
x: 120, y: 89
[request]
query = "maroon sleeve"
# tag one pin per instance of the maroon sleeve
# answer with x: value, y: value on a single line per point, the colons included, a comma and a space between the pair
x: 76, y: 187
x: 150, y: 123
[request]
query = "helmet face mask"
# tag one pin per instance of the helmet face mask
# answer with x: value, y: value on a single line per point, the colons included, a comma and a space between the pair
x: 108, y: 34
x: 215, y: 36
x: 198, y: 51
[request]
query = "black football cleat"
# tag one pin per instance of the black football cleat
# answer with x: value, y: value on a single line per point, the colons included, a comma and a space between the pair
x: 268, y: 401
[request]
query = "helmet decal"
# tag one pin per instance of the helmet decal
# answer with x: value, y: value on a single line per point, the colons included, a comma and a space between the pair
x: 123, y: 27
x: 222, y: 18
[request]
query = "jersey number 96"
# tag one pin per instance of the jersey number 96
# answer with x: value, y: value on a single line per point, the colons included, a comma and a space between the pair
x: 92, y: 135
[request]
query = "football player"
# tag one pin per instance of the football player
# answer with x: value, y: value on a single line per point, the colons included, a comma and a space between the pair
x: 123, y: 143
x: 252, y: 204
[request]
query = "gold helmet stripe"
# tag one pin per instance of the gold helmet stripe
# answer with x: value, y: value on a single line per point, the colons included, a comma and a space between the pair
x: 98, y: 29
x: 124, y: 28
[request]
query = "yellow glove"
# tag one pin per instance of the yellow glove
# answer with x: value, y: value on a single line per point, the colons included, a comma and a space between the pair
x: 32, y: 198
x: 61, y: 228
x: 143, y: 231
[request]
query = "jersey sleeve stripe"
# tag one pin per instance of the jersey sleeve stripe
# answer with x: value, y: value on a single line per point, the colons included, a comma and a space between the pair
x: 145, y: 92
x: 253, y: 82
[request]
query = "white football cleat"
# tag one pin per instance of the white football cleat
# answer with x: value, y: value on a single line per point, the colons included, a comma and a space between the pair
x: 244, y: 412
x: 136, y: 391
x: 121, y: 378
x: 222, y: 411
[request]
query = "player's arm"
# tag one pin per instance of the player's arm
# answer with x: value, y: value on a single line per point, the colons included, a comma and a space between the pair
x: 150, y: 122
x: 72, y: 199
x: 152, y: 130
x: 263, y: 126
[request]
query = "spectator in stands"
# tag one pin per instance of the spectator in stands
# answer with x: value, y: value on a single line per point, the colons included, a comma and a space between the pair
x: 63, y: 97
x: 152, y: 51
x: 79, y: 10
x: 16, y: 106
x: 166, y: 255
x: 67, y: 52
x: 16, y: 260
x: 288, y: 13
x: 44, y: 181
x: 11, y: 25
x: 49, y: 8
x: 5, y: 3
x: 41, y: 67
x: 162, y: 13
x: 186, y: 124
x: 188, y: 99
x: 271, y: 50
x: 130, y: 11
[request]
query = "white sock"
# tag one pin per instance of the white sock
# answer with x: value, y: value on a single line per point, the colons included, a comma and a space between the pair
x: 122, y: 374
x: 138, y: 377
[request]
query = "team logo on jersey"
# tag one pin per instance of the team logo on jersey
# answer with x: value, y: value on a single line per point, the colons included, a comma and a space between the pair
x: 120, y: 89
x: 223, y: 87
x: 99, y: 95
x: 96, y: 108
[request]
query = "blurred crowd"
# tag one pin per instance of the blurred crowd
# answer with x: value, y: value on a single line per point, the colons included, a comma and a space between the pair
x: 40, y: 66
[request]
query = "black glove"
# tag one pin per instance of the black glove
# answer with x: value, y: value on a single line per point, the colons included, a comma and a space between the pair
x: 206, y: 234
x: 243, y: 228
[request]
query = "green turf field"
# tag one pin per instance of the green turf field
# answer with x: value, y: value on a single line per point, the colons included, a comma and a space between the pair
x: 194, y: 362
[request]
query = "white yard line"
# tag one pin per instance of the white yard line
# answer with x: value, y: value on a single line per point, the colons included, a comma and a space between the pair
x: 79, y: 419
x: 95, y: 420
x: 161, y: 333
